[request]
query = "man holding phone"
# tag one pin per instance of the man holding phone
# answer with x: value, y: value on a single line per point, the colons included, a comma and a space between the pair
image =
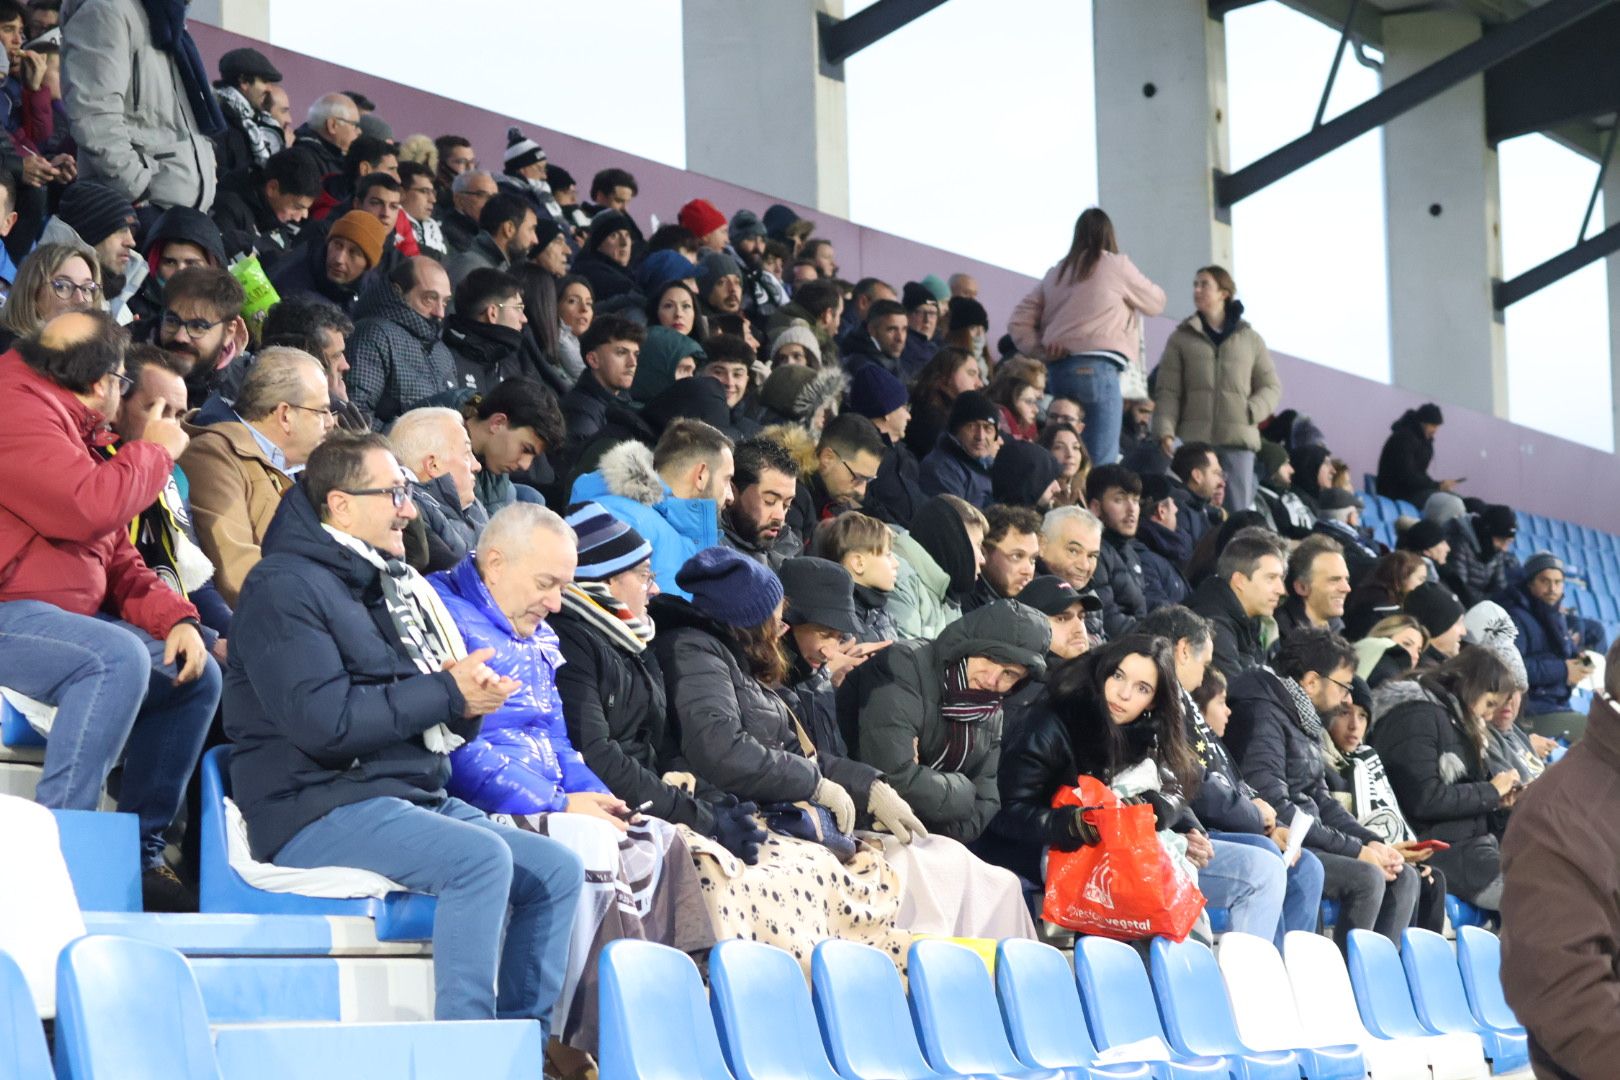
x: 1552, y: 660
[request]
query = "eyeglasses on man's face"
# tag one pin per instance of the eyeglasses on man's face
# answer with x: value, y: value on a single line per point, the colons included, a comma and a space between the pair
x: 398, y: 493
x: 193, y: 327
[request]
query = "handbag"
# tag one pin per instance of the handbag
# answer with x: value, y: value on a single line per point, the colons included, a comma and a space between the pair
x: 1124, y: 887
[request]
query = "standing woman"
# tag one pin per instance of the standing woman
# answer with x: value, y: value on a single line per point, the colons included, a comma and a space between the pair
x: 1085, y: 319
x: 1216, y: 383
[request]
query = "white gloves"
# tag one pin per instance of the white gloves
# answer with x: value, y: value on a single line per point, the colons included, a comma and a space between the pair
x: 836, y: 800
x: 893, y: 813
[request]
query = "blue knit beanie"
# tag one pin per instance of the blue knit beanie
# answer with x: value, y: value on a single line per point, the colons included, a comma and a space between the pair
x: 663, y: 268
x: 729, y: 587
x: 874, y: 392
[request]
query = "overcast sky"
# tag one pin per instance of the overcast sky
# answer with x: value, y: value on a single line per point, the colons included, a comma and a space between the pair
x: 966, y: 121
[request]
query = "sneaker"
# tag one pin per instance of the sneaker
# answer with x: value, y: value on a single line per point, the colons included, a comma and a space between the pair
x: 162, y: 890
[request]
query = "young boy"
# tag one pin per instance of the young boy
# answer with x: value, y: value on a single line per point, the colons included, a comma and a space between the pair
x: 864, y: 546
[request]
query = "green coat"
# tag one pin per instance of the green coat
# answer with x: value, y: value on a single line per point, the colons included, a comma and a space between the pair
x: 918, y: 601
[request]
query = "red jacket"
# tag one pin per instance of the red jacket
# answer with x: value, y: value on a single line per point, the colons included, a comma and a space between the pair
x: 65, y: 512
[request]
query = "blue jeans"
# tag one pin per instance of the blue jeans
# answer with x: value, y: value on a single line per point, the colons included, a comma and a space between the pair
x: 1302, y: 901
x: 1247, y: 882
x: 479, y: 871
x: 114, y: 698
x: 1094, y: 383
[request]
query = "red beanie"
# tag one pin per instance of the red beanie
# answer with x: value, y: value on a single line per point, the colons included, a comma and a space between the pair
x: 701, y: 218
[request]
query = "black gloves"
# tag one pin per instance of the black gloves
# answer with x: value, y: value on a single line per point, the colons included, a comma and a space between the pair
x: 738, y: 830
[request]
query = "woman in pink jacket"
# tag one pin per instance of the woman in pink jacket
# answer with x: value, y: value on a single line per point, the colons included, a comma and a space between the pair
x: 1084, y: 319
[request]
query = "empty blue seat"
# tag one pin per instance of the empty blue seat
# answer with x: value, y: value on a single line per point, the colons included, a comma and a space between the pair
x: 861, y: 1008
x: 400, y: 916
x: 955, y: 1010
x: 763, y: 1014
x: 1198, y: 1018
x: 1040, y: 1004
x: 129, y: 1010
x: 1386, y: 1007
x: 1442, y: 1003
x: 1479, y: 957
x: 15, y: 729
x: 1461, y: 913
x: 103, y: 855
x: 1118, y: 999
x: 655, y: 1022
x: 486, y: 1049
x: 22, y: 1041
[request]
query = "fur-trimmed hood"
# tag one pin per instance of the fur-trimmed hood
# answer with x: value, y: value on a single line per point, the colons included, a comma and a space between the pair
x: 1399, y: 692
x: 799, y: 393
x: 797, y: 441
x: 627, y: 471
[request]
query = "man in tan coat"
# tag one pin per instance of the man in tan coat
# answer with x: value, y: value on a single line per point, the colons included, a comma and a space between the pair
x: 238, y: 469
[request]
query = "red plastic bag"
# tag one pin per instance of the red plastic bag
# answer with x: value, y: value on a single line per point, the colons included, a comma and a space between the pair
x: 1126, y: 887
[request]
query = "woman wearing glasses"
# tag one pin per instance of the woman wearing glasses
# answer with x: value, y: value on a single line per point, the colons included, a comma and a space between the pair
x: 53, y: 278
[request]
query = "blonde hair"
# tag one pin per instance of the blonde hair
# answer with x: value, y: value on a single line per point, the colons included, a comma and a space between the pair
x: 849, y: 533
x: 21, y: 314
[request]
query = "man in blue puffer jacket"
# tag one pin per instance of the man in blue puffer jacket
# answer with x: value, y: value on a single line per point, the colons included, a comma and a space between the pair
x: 1551, y: 658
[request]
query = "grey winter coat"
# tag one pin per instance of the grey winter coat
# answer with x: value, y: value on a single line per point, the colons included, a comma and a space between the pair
x: 452, y: 533
x: 127, y: 108
x: 396, y: 358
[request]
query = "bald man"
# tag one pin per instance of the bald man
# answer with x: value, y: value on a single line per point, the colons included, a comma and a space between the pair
x: 90, y: 631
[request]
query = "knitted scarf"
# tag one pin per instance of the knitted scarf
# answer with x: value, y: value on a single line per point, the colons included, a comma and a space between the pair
x: 169, y: 34
x: 591, y: 601
x: 1304, y: 711
x: 231, y: 98
x: 963, y: 710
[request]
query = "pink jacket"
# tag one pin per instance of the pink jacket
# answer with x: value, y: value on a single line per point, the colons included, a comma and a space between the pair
x: 1102, y: 312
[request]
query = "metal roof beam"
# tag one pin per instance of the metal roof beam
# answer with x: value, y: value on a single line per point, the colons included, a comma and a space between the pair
x: 1605, y: 243
x: 843, y: 38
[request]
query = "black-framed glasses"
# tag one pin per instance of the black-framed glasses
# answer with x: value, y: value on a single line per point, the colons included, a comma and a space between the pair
x: 126, y: 385
x: 67, y: 290
x: 399, y: 493
x: 860, y: 479
x: 326, y: 415
x: 194, y: 327
x: 1346, y: 687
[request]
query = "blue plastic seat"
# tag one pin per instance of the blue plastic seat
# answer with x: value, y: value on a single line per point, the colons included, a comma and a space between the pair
x: 1479, y: 957
x: 1118, y: 999
x: 748, y: 983
x: 655, y: 1022
x: 1330, y: 914
x: 103, y: 856
x: 15, y: 729
x: 1386, y: 1008
x: 955, y: 1010
x: 1442, y: 1003
x: 861, y: 1008
x: 400, y: 916
x: 1461, y: 913
x: 1040, y: 1005
x: 23, y: 1055
x: 1198, y: 1018
x: 129, y: 1010
x: 486, y: 1049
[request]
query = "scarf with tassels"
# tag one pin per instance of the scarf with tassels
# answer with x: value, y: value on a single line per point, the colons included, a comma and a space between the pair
x: 1304, y: 710
x: 593, y: 602
x: 963, y: 710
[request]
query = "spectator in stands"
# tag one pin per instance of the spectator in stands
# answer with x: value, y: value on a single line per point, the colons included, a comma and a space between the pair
x: 1433, y: 741
x: 132, y: 80
x: 239, y: 469
x: 1216, y: 382
x: 864, y: 546
x: 1199, y: 486
x: 847, y: 457
x: 1338, y: 516
x: 967, y: 326
x: 674, y: 304
x: 922, y: 320
x: 1441, y: 617
x: 1010, y: 547
x: 605, y: 259
x: 939, y: 565
x: 53, y: 279
x: 1084, y: 319
x: 523, y: 173
x: 1113, y: 494
x: 611, y: 349
x: 90, y: 629
x: 42, y: 15
x: 97, y: 218
x: 576, y: 309
x: 1071, y: 546
x: 1428, y: 540
x: 764, y: 479
x: 180, y: 239
x: 665, y: 358
x: 325, y: 331
x: 1285, y: 512
x: 1318, y: 585
x: 612, y: 189
x: 795, y: 344
x: 329, y: 130
x: 200, y: 323
x: 800, y: 400
x: 312, y: 666
x: 817, y: 304
x: 510, y: 427
x: 1552, y: 660
x: 1019, y: 399
x: 720, y: 284
x: 866, y: 292
x: 456, y: 156
x: 242, y: 90
x: 1245, y: 589
x: 334, y: 269
x: 1062, y: 440
x: 432, y: 443
x: 396, y: 358
x: 1403, y: 464
x: 259, y: 210
x: 1024, y: 474
x: 1383, y: 593
x: 506, y: 232
x: 470, y: 192
x: 485, y: 331
x: 896, y: 489
x: 959, y: 464
x: 417, y: 202
x: 1476, y: 566
x: 706, y: 223
x: 1161, y: 550
x: 673, y: 494
x: 279, y: 108
x: 730, y: 360
x: 1393, y: 631
x: 883, y: 343
x: 1275, y: 733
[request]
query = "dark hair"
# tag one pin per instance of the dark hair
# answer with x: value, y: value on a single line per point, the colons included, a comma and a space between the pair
x: 1467, y: 677
x: 305, y: 343
x: 375, y: 180
x: 883, y: 309
x: 8, y: 184
x: 410, y: 170
x: 775, y: 249
x: 1076, y: 690
x: 1093, y: 235
x: 727, y: 349
x: 1004, y: 519
x: 339, y: 462
x: 446, y: 143
x: 295, y: 171
x: 608, y: 179
x: 730, y: 325
x: 688, y: 439
x: 540, y: 289
x: 761, y: 646
x: 818, y: 297
x: 1392, y: 570
x: 869, y: 285
x: 305, y: 315
x: 365, y: 150
x: 81, y: 364
x: 848, y: 434
x: 606, y: 328
x: 208, y: 284
x: 526, y: 403
x: 929, y: 386
x: 672, y: 238
x: 11, y: 9
x: 657, y: 298
x: 1177, y: 624
x: 1213, y: 686
x: 483, y: 287
x: 1008, y: 382
x: 1244, y: 551
x: 1222, y: 278
x: 1104, y: 477
x: 1312, y: 649
x: 500, y: 209
x: 141, y: 354
x: 1190, y: 456
x: 753, y: 456
x: 1310, y: 549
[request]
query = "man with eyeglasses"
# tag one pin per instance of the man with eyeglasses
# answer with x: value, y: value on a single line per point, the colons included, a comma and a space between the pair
x: 239, y: 469
x: 201, y: 323
x: 469, y: 191
x: 848, y: 456
x: 396, y: 357
x: 334, y: 123
x: 89, y: 628
x: 417, y: 201
x: 485, y: 333
x: 348, y: 689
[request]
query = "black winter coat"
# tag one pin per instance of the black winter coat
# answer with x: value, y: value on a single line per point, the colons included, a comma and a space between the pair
x: 1474, y: 570
x: 893, y: 497
x: 1403, y: 463
x: 303, y: 273
x: 1120, y: 569
x: 1162, y: 583
x: 608, y: 279
x: 1238, y: 646
x: 321, y: 700
x: 1224, y: 800
x: 486, y: 355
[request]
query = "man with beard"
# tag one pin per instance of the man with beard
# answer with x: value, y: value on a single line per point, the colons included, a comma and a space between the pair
x: 94, y: 216
x: 1114, y: 494
x: 397, y: 360
x: 1162, y: 550
x: 756, y: 521
x: 1011, y: 546
x: 334, y: 270
x: 201, y: 323
x: 179, y: 240
x: 895, y: 493
x: 243, y: 91
x: 1285, y: 512
x: 763, y: 291
x: 506, y: 232
x: 1201, y: 487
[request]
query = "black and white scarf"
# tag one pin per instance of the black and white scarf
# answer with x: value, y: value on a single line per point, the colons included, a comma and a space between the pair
x: 1304, y: 711
x: 231, y: 99
x: 596, y: 604
x: 963, y: 710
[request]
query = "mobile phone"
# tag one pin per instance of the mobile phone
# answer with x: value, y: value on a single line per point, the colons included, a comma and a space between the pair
x: 1431, y: 845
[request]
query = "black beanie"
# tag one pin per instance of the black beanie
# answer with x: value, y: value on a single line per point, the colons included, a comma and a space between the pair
x: 94, y: 210
x: 914, y: 295
x: 1429, y: 414
x: 1022, y: 472
x: 970, y: 405
x: 1433, y: 606
x: 937, y: 528
x: 696, y: 398
x: 965, y: 313
x: 1420, y: 536
x: 545, y: 232
x: 1498, y: 520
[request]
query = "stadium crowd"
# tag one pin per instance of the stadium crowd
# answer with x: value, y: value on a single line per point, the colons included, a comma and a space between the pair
x: 523, y: 557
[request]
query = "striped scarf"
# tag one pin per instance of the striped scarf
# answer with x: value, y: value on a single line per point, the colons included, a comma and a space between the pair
x: 593, y: 602
x: 963, y: 710
x: 1304, y: 710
